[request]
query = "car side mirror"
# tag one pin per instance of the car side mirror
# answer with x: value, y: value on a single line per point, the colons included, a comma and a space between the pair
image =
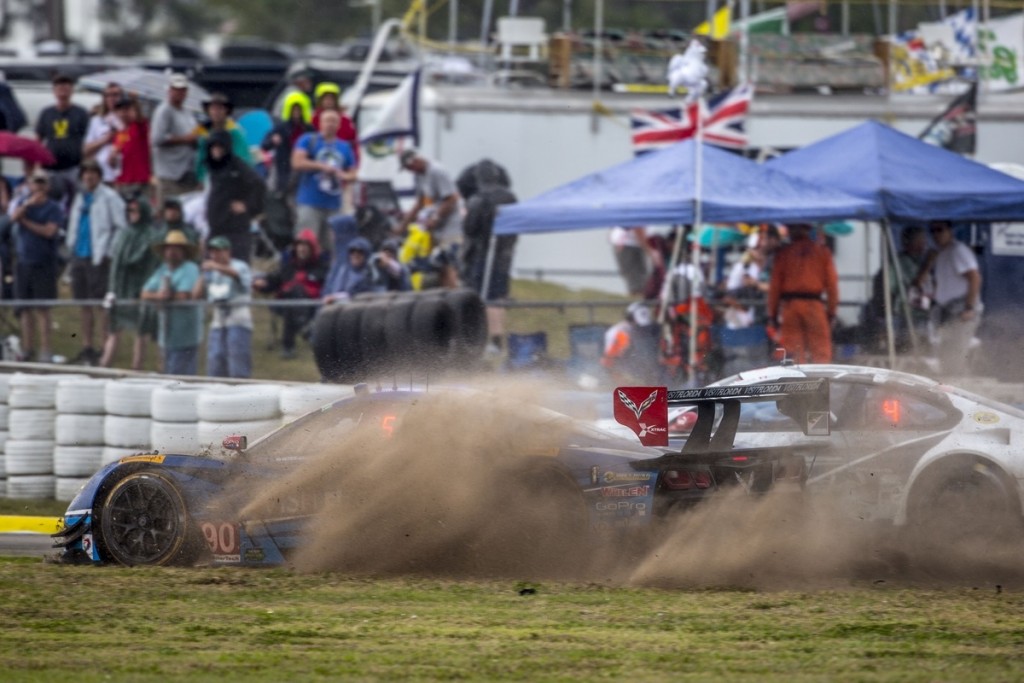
x: 235, y: 443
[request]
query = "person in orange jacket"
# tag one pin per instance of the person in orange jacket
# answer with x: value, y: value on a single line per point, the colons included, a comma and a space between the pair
x: 802, y: 275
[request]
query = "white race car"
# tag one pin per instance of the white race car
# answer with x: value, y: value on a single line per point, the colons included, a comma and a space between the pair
x: 903, y: 449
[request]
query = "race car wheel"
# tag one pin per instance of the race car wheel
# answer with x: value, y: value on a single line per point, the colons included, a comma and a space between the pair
x: 143, y: 521
x: 965, y: 503
x: 325, y: 350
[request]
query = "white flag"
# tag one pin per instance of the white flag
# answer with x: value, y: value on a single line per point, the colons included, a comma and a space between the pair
x: 400, y: 117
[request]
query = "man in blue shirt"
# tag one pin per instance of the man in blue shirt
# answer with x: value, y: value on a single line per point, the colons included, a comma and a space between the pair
x: 37, y: 225
x: 97, y: 213
x: 324, y: 164
x: 181, y: 325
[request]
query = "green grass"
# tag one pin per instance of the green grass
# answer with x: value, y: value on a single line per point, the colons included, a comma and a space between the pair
x: 89, y: 624
x: 32, y: 508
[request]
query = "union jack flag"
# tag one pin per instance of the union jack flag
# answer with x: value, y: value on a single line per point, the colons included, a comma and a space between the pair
x: 724, y: 118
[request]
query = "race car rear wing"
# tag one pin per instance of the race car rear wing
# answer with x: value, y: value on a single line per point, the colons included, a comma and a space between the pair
x: 645, y: 410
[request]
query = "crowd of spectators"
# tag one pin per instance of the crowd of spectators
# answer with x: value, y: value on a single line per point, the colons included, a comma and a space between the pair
x: 150, y: 209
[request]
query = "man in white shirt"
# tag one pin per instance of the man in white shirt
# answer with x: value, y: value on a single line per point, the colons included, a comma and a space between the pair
x: 958, y: 307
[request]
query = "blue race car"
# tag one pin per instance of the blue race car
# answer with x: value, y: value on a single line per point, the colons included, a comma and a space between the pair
x: 259, y: 505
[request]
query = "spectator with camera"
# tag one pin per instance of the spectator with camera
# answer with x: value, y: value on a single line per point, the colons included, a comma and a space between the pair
x: 226, y: 282
x: 389, y: 273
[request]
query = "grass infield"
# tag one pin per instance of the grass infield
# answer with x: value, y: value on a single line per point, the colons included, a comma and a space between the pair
x: 102, y: 624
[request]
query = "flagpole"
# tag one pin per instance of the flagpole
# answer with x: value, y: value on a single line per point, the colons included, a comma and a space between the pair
x: 695, y: 256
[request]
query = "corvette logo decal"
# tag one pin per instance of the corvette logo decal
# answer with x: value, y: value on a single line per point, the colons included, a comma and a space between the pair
x: 645, y: 411
x: 638, y: 411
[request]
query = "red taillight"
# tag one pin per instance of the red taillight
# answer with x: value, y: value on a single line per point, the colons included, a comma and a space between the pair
x: 679, y: 480
x: 683, y: 480
x: 740, y: 458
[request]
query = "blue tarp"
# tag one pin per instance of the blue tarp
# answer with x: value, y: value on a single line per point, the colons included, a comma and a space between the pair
x: 907, y: 179
x: 658, y: 189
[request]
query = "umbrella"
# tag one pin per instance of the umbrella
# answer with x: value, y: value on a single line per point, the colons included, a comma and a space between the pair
x: 726, y: 236
x: 14, y: 145
x: 147, y: 84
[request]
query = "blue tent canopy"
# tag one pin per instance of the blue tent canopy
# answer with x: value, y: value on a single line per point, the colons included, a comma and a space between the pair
x: 658, y: 188
x: 907, y: 179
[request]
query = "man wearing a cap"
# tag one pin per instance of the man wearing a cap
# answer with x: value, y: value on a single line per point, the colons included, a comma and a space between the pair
x: 218, y: 109
x: 62, y: 127
x: 173, y: 136
x: 226, y: 283
x: 181, y: 326
x: 38, y: 220
x: 97, y: 213
x: 436, y: 189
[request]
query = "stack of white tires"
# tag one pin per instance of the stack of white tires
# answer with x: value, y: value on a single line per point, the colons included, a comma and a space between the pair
x: 175, y: 411
x: 4, y: 420
x: 29, y: 451
x: 299, y: 399
x: 128, y: 426
x: 251, y: 410
x: 79, y: 433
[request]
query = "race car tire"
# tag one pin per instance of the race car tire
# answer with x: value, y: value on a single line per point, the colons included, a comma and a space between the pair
x: 81, y: 396
x: 245, y: 402
x: 68, y: 487
x: 143, y: 520
x: 324, y: 343
x: 28, y: 457
x: 32, y: 424
x: 127, y: 432
x: 211, y: 434
x: 175, y: 437
x: 178, y: 402
x: 432, y: 324
x: 39, y: 487
x: 963, y: 503
x: 35, y: 391
x: 80, y: 430
x: 114, y: 453
x: 299, y: 399
x: 347, y: 341
x: 76, y: 461
x: 397, y: 335
x: 131, y: 397
x: 470, y: 325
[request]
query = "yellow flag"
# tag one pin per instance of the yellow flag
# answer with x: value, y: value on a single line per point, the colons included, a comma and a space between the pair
x: 721, y: 25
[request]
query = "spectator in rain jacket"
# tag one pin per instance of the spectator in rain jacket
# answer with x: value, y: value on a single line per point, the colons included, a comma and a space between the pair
x: 132, y: 262
x: 236, y: 196
x: 352, y: 277
x: 218, y: 109
x: 389, y: 273
x: 301, y: 276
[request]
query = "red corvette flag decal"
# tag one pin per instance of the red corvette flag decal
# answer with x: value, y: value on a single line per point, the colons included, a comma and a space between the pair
x: 645, y: 411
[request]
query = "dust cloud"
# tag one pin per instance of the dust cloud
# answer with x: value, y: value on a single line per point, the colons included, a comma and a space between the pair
x: 466, y: 486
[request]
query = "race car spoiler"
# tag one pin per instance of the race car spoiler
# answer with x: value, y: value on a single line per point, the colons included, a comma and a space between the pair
x: 645, y: 410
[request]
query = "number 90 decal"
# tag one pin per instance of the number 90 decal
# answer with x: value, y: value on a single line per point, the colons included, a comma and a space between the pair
x: 222, y: 538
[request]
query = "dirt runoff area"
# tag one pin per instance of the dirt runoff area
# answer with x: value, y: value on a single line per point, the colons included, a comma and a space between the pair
x: 446, y: 494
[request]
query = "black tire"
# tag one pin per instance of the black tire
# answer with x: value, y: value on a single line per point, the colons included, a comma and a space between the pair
x: 398, y: 335
x: 432, y: 324
x: 143, y: 521
x: 964, y: 504
x: 324, y: 343
x: 349, y: 348
x: 373, y: 338
x: 470, y: 324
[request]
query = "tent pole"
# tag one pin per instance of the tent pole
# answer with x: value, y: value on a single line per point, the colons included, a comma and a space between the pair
x: 890, y: 335
x: 901, y: 285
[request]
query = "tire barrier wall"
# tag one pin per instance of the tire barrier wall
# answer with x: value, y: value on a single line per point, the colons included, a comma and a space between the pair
x: 375, y: 334
x: 66, y: 427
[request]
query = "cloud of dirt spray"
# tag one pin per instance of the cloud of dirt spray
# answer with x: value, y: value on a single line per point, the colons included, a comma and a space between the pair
x: 466, y: 486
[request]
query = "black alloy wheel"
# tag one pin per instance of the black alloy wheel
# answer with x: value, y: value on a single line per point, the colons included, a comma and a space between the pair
x: 143, y: 521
